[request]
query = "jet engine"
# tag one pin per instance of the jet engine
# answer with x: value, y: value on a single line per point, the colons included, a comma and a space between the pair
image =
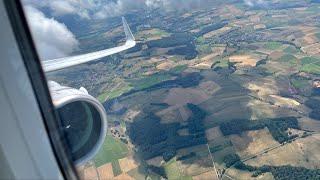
x: 82, y: 119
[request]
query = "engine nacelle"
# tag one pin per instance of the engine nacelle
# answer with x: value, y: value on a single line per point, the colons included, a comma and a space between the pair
x: 82, y: 119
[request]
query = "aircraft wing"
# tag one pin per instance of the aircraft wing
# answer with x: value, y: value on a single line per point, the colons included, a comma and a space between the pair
x: 60, y: 63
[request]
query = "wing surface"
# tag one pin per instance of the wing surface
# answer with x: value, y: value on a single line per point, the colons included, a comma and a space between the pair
x: 60, y: 63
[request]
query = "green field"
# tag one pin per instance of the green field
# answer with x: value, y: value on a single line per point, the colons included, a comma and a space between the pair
x: 308, y: 60
x: 317, y: 35
x: 113, y: 93
x: 172, y: 170
x: 149, y: 81
x: 159, y: 32
x: 221, y: 62
x: 288, y: 58
x: 116, y: 168
x: 311, y: 68
x: 300, y: 83
x: 154, y: 33
x: 310, y: 65
x: 204, y: 49
x: 272, y: 45
x: 291, y: 50
x: 200, y: 40
x: 178, y: 69
x: 111, y: 150
x: 139, y: 173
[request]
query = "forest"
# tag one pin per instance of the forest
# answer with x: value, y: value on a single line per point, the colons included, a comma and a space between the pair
x: 289, y: 172
x: 153, y: 138
x: 314, y: 104
x: 281, y: 172
x: 276, y: 126
x: 177, y: 39
x: 210, y: 28
x: 189, y: 51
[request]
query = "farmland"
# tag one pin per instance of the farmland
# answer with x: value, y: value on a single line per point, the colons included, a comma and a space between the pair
x: 230, y: 90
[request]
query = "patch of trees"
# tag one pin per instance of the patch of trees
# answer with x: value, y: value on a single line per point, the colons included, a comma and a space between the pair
x: 276, y: 126
x: 262, y: 61
x: 176, y: 39
x: 210, y: 28
x: 231, y: 159
x: 185, y: 81
x: 164, y: 105
x: 136, y: 48
x: 188, y: 156
x: 152, y: 138
x: 157, y: 170
x: 226, y: 71
x: 289, y: 172
x: 189, y: 51
x: 315, y: 92
x: 281, y: 172
x: 314, y: 104
x: 195, y: 122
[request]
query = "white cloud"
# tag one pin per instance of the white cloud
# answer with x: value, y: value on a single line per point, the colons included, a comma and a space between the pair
x: 252, y: 3
x: 52, y: 39
x: 107, y: 8
x: 62, y: 7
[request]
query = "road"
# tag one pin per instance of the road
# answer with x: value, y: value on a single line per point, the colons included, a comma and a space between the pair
x: 214, y: 166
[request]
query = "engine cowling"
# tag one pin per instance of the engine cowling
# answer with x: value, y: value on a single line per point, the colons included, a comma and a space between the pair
x: 82, y: 119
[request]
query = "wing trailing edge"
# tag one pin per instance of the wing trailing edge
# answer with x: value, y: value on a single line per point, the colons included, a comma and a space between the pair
x: 61, y: 63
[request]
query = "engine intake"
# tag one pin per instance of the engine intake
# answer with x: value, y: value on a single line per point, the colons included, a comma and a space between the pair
x: 82, y: 119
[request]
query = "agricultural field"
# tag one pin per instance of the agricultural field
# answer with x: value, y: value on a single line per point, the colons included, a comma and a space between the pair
x: 111, y: 150
x: 227, y: 90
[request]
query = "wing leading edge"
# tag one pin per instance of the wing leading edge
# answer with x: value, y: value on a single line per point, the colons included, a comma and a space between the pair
x: 60, y: 63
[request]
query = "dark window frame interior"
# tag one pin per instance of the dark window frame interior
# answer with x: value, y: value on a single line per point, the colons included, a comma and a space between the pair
x: 39, y: 84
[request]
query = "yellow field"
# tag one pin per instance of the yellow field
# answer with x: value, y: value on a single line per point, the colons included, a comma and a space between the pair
x: 309, y: 124
x: 165, y: 65
x: 127, y: 164
x: 123, y: 176
x: 252, y: 142
x: 213, y: 133
x: 283, y: 101
x: 244, y: 60
x: 260, y: 109
x: 169, y: 115
x: 259, y: 26
x: 210, y: 175
x: 156, y: 161
x: 302, y: 152
x: 313, y: 49
x: 263, y: 87
x: 90, y: 173
x: 181, y: 96
x: 245, y: 175
x: 105, y: 171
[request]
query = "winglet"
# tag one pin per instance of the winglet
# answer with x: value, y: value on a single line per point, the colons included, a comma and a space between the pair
x: 60, y: 63
x: 127, y: 31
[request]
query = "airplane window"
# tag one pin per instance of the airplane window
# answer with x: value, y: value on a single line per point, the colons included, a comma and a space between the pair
x: 193, y: 89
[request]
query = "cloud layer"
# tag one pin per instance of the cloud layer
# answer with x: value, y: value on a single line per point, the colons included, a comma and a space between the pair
x: 252, y: 3
x: 52, y: 39
x: 100, y: 9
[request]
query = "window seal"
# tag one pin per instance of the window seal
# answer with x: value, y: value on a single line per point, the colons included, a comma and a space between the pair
x: 39, y: 84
